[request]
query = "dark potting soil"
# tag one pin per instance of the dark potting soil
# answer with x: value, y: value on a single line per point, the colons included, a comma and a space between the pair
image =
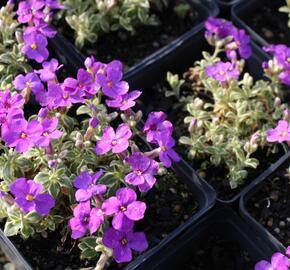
x: 131, y: 49
x: 270, y: 206
x: 269, y: 22
x: 176, y: 113
x: 169, y: 204
x: 216, y: 254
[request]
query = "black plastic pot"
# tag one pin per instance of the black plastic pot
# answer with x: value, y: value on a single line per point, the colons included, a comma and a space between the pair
x: 245, y: 9
x: 226, y: 6
x: 73, y: 59
x: 222, y: 222
x: 183, y: 57
x: 202, y: 192
x: 253, y: 189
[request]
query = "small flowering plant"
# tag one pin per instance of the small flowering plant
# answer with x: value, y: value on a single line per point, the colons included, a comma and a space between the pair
x: 228, y: 114
x: 89, y: 171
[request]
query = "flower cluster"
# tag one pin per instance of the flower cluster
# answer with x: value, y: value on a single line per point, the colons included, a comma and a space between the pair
x: 96, y: 160
x: 37, y: 14
x: 222, y: 33
x: 229, y: 114
x: 279, y: 67
x: 278, y: 262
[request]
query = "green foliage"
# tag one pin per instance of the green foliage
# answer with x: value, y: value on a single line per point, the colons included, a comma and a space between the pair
x: 286, y: 9
x: 12, y: 61
x: 90, y: 18
x: 228, y: 127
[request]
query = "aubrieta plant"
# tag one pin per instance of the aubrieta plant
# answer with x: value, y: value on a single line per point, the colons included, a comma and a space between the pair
x: 279, y: 261
x: 286, y: 9
x: 90, y: 18
x: 229, y: 114
x: 24, y: 36
x: 86, y: 171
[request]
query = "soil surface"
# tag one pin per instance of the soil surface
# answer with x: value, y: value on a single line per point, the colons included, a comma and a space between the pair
x: 176, y: 113
x: 131, y: 49
x: 269, y: 23
x: 169, y: 205
x: 270, y: 206
x: 217, y: 253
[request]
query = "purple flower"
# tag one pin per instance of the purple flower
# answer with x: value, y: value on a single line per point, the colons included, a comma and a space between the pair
x: 242, y: 43
x: 9, y: 102
x: 167, y: 154
x: 222, y: 71
x: 281, y: 54
x: 83, y: 84
x: 87, y: 186
x: 28, y: 82
x: 48, y: 71
x: 278, y: 262
x: 115, y: 141
x: 30, y: 196
x: 125, y: 208
x: 35, y: 47
x: 21, y: 134
x: 284, y: 77
x: 58, y: 96
x: 122, y: 242
x: 49, y: 132
x: 281, y: 133
x: 85, y: 219
x: 144, y: 169
x: 152, y: 123
x: 220, y: 27
x: 111, y: 83
x: 28, y: 10
x: 124, y: 102
x: 41, y: 27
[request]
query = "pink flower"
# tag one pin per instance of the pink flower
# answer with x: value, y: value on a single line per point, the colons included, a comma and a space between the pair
x: 115, y: 141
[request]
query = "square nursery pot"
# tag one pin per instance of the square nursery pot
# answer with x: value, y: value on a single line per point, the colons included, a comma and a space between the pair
x: 253, y: 189
x: 222, y: 223
x: 73, y: 59
x: 178, y: 61
x: 204, y: 195
x: 226, y: 6
x: 243, y: 11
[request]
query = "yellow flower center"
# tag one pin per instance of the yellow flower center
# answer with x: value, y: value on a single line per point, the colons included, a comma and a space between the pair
x: 288, y: 59
x: 163, y: 148
x: 45, y: 134
x: 23, y: 135
x: 222, y: 73
x: 114, y: 142
x: 123, y: 208
x: 29, y: 197
x: 124, y: 241
x: 110, y: 84
x: 138, y: 172
x: 33, y: 46
x: 283, y: 133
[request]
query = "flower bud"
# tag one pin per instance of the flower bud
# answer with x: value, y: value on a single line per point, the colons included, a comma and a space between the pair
x: 277, y: 102
x: 52, y: 163
x: 286, y: 115
x: 248, y: 80
x: 93, y: 122
x: 19, y: 37
x: 79, y: 144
